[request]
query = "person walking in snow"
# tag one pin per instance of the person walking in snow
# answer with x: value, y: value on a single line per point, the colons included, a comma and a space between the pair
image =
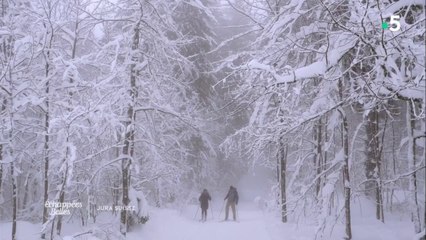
x: 204, y: 202
x: 232, y: 197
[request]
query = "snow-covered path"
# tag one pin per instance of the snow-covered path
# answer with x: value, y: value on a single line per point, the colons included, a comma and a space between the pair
x: 168, y: 224
x: 253, y: 224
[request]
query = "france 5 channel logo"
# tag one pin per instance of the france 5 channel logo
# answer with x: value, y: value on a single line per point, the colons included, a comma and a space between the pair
x: 393, y: 24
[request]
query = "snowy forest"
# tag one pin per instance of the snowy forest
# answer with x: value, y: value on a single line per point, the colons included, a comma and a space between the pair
x: 116, y: 114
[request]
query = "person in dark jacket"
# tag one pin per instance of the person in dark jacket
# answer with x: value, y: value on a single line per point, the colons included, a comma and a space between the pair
x: 232, y: 197
x: 204, y: 202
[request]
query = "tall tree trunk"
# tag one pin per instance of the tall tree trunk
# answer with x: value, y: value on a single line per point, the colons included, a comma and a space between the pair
x: 345, y: 169
x: 324, y: 165
x: 129, y: 135
x: 14, y: 200
x: 70, y: 95
x: 46, y: 146
x: 61, y: 200
x: 381, y: 165
x: 411, y: 156
x: 283, y: 149
x: 393, y: 164
x: 346, y: 181
x: 46, y: 165
x: 13, y: 181
x: 278, y: 175
x: 46, y: 151
x: 318, y: 154
x: 11, y: 151
x: 373, y: 160
x: 3, y: 107
x: 13, y: 160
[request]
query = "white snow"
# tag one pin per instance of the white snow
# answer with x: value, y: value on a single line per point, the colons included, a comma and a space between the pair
x: 254, y: 224
x: 168, y: 224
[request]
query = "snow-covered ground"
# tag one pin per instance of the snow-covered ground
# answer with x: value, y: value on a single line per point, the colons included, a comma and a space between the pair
x: 168, y: 224
x: 253, y: 224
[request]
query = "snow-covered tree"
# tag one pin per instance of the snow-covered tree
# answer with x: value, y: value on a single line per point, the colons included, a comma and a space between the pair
x: 313, y: 63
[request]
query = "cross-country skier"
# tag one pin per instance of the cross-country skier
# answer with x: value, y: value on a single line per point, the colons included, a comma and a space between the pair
x: 204, y: 202
x: 232, y: 197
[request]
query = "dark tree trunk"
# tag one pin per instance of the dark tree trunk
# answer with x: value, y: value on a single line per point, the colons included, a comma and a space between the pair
x: 373, y: 161
x: 11, y: 151
x: 59, y: 224
x: 318, y: 154
x: 46, y: 155
x: 12, y: 166
x: 393, y: 164
x: 46, y: 131
x: 129, y: 135
x: 3, y: 107
x: 14, y: 200
x: 346, y: 181
x: 283, y: 168
x: 411, y: 155
x: 63, y: 189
